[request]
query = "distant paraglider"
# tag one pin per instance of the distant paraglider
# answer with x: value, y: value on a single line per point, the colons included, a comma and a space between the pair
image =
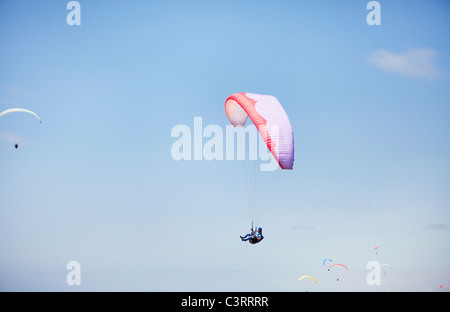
x: 19, y: 110
x: 337, y: 264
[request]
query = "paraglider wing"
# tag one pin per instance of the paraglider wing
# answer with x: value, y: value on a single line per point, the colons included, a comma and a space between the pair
x: 337, y: 264
x: 269, y: 118
x: 306, y: 276
x: 16, y: 110
x: 325, y: 260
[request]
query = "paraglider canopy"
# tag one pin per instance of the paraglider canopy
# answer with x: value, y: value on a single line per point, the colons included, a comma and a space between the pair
x: 18, y: 110
x: 269, y: 118
x: 337, y: 264
x: 307, y: 276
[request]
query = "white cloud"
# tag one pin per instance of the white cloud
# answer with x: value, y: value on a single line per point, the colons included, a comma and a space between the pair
x: 412, y: 63
x: 11, y: 137
x: 16, y: 90
x: 438, y: 226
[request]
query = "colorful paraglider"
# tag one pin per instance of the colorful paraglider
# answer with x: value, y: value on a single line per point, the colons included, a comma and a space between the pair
x: 326, y: 260
x: 275, y: 130
x: 307, y: 276
x: 270, y: 119
x: 337, y: 265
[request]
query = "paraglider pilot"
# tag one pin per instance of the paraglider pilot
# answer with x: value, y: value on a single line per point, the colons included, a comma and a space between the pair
x: 253, y: 237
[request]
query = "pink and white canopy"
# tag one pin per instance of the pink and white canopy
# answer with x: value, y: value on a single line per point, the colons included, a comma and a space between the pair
x: 269, y: 118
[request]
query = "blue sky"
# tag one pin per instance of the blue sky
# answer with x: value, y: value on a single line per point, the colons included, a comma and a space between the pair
x: 96, y: 183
